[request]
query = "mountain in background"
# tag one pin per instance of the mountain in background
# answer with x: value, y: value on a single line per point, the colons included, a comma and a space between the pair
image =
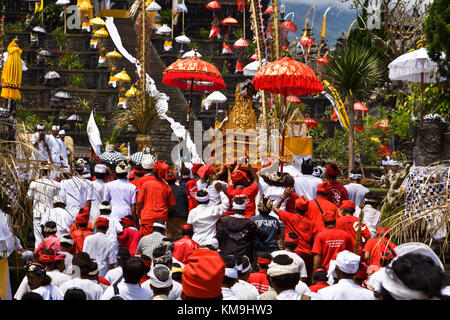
x: 338, y: 20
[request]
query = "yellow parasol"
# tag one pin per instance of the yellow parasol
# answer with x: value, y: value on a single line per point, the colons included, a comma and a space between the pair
x: 123, y: 76
x: 101, y: 33
x: 132, y: 92
x: 97, y: 21
x: 86, y: 9
x: 114, y: 55
x: 12, y: 72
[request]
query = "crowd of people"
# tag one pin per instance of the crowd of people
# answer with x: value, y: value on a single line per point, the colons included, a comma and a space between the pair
x: 143, y: 231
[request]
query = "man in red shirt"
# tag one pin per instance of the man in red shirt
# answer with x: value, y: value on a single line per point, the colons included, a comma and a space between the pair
x: 259, y: 279
x: 81, y: 230
x: 130, y: 236
x: 239, y: 186
x: 330, y: 241
x: 297, y: 223
x: 191, y: 186
x: 184, y: 247
x: 155, y: 199
x: 147, y: 165
x: 349, y: 223
x: 337, y: 192
x: 376, y: 248
x: 318, y: 206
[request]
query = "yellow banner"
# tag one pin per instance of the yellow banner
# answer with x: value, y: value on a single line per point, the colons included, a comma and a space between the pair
x: 4, y: 272
x: 38, y: 7
x: 298, y: 146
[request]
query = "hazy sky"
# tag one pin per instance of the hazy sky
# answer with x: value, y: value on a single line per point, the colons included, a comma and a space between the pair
x: 319, y: 3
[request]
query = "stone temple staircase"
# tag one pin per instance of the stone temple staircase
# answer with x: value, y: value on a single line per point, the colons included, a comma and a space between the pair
x: 161, y: 134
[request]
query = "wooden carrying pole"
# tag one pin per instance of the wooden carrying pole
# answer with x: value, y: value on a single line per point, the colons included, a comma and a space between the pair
x: 359, y: 230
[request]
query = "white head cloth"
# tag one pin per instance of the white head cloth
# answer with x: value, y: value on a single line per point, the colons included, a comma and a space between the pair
x: 160, y: 225
x: 276, y: 269
x: 40, y: 127
x: 147, y: 162
x: 121, y: 168
x: 104, y: 207
x: 100, y: 168
x: 355, y: 176
x: 154, y: 281
x: 55, y: 128
x: 63, y: 132
x: 348, y: 262
x: 395, y: 286
x: 237, y: 206
x: 202, y: 199
x: 231, y: 273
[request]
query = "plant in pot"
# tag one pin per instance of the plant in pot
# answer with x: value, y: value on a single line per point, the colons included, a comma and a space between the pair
x: 140, y: 116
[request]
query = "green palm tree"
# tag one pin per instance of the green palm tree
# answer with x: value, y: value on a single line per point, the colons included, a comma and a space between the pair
x: 354, y: 71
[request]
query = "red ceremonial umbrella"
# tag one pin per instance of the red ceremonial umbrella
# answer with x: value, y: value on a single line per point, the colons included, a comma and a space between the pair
x: 269, y: 10
x: 193, y: 74
x: 358, y: 106
x: 289, y: 26
x: 324, y: 60
x: 241, y: 44
x: 213, y: 5
x: 230, y: 21
x: 311, y: 123
x: 288, y: 77
x: 307, y: 42
x: 294, y: 99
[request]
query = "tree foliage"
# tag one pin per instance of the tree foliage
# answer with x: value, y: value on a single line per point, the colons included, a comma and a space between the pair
x: 437, y: 33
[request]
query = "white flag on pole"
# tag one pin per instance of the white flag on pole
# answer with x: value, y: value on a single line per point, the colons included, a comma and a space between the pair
x: 94, y: 135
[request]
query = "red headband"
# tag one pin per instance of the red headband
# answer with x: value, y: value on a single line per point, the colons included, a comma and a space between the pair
x: 46, y: 257
x: 322, y: 269
x: 264, y: 261
x: 186, y: 227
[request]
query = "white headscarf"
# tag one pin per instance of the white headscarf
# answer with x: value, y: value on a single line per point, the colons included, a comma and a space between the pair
x: 394, y: 285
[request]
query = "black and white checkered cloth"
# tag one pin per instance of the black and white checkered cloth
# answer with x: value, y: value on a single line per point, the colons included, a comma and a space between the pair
x: 136, y: 158
x: 112, y: 157
x: 425, y: 187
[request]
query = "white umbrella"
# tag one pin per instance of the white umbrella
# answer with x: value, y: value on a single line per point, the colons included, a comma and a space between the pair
x: 215, y: 98
x: 39, y: 29
x: 414, y: 66
x: 180, y: 7
x: 190, y: 54
x: 164, y: 29
x: 252, y: 68
x: 410, y: 67
x: 75, y: 117
x: 153, y: 7
x: 63, y: 95
x: 183, y: 39
x: 52, y: 75
x: 45, y: 53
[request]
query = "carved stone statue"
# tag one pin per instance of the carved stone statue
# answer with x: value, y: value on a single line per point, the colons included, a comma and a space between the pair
x: 429, y: 143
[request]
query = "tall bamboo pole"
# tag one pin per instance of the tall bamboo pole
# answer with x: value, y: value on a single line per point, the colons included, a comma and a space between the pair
x: 275, y: 29
x: 143, y: 77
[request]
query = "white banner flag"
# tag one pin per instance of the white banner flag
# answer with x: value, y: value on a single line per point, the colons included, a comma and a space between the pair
x: 94, y: 135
